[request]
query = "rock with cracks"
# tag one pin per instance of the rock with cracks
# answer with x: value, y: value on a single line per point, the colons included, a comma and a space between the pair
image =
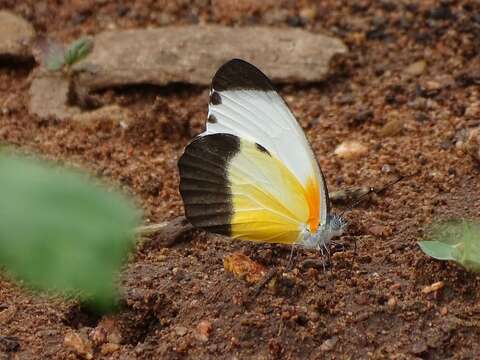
x: 189, y: 54
x: 192, y: 54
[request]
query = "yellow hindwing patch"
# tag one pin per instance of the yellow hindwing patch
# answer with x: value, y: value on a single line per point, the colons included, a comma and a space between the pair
x: 269, y: 203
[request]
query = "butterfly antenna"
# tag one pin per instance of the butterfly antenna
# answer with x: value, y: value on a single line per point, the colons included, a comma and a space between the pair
x: 376, y: 191
x: 329, y: 258
x: 373, y: 190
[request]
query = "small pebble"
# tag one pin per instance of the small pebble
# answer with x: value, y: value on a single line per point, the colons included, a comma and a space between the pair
x: 392, y: 302
x: 392, y: 127
x: 109, y: 348
x: 329, y: 344
x: 351, y: 150
x: 396, y: 286
x: 379, y: 230
x: 181, y: 330
x: 430, y: 88
x: 204, y: 329
x: 386, y: 168
x: 434, y: 287
x: 417, y: 68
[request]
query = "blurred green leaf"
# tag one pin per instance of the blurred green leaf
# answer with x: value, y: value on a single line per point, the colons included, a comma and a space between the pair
x: 78, y: 50
x: 61, y: 232
x: 457, y: 240
x: 438, y: 250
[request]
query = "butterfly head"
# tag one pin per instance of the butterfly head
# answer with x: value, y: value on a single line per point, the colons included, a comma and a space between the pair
x: 333, y: 227
x: 336, y: 224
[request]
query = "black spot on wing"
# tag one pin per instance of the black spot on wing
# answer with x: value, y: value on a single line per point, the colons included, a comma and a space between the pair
x: 204, y: 184
x: 262, y: 149
x: 215, y: 98
x: 212, y: 119
x: 240, y: 75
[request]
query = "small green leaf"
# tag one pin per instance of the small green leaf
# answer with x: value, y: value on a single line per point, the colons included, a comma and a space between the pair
x: 54, y: 63
x: 61, y: 232
x: 457, y: 240
x: 78, y: 50
x: 438, y: 250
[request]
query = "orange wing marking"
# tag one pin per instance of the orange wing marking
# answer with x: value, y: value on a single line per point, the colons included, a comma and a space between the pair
x: 312, y: 195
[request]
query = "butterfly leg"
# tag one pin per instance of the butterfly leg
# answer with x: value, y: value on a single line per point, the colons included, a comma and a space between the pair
x: 290, y: 258
x: 329, y: 256
x: 337, y: 244
x: 319, y: 248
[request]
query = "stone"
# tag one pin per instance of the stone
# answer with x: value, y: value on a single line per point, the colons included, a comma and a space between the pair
x: 351, y: 150
x: 379, y: 230
x: 16, y: 36
x: 417, y: 68
x: 392, y: 302
x: 329, y: 344
x: 439, y: 285
x: 243, y: 267
x: 192, y: 54
x: 181, y: 330
x: 49, y: 97
x: 109, y: 348
x: 204, y: 329
x: 393, y: 127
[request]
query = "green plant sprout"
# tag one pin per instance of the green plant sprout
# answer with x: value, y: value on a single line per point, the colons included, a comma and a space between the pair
x: 55, y: 57
x: 63, y: 233
x: 456, y: 240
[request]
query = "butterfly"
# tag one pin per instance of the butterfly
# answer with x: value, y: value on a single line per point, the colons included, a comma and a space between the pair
x: 252, y: 175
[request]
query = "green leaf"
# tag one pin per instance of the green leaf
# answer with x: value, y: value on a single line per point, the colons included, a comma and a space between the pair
x: 470, y: 257
x: 78, y: 50
x: 61, y: 232
x: 457, y: 240
x: 438, y: 250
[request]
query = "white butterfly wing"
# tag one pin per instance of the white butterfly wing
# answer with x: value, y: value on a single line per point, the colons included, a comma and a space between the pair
x: 243, y: 102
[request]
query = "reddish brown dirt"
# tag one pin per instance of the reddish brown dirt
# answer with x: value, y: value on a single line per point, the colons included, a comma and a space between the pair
x: 375, y: 309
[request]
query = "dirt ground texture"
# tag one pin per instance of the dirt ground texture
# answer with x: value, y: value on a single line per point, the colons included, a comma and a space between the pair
x: 179, y: 301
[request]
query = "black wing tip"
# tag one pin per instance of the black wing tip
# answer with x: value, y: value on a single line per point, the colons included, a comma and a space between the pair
x: 238, y: 74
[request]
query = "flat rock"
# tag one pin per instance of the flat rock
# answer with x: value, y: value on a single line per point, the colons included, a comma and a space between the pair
x: 192, y: 54
x: 49, y: 97
x: 16, y: 35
